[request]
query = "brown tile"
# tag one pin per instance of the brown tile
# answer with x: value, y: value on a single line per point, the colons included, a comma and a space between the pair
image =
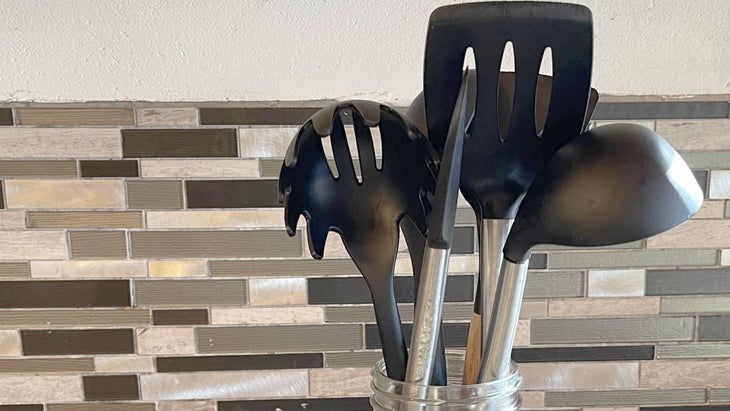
x: 110, y: 387
x: 685, y: 374
x: 215, y: 244
x: 109, y: 168
x: 22, y: 407
x: 155, y: 194
x: 25, y: 143
x: 98, y: 406
x: 64, y: 193
x: 201, y: 142
x: 171, y: 117
x: 255, y: 115
x: 14, y: 270
x: 333, y: 382
x: 38, y: 245
x: 124, y: 364
x: 165, y: 341
x: 74, y: 116
x: 200, y: 168
x: 52, y: 294
x: 84, y: 219
x: 88, y: 269
x: 98, y: 244
x: 77, y: 342
x: 190, y: 292
x: 38, y: 168
x: 58, y: 318
x: 18, y: 389
x: 180, y: 317
x: 43, y: 365
x: 232, y: 193
x: 6, y: 117
x: 2, y: 199
x: 239, y: 362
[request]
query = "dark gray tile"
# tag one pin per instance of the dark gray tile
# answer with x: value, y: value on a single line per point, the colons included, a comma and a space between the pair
x: 190, y: 292
x: 239, y: 362
x: 537, y: 261
x: 624, y: 397
x: 464, y: 240
x: 701, y: 177
x: 49, y: 294
x: 77, y: 342
x: 661, y: 110
x: 354, y: 290
x: 454, y: 335
x: 180, y: 317
x: 98, y: 244
x: 313, y: 404
x: 688, y: 281
x: 352, y: 359
x: 194, y: 142
x: 611, y: 330
x: 110, y: 387
x: 14, y: 270
x: 109, y: 168
x: 714, y: 328
x: 215, y: 244
x: 555, y: 284
x: 38, y: 168
x: 707, y: 159
x: 280, y: 268
x: 232, y: 193
x: 161, y: 195
x: 6, y: 117
x: 579, y: 354
x: 285, y: 338
x: 688, y: 408
x: 22, y: 407
x: 255, y: 115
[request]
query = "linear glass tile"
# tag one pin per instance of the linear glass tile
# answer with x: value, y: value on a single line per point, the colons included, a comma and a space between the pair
x: 74, y: 116
x: 688, y: 281
x: 14, y: 270
x: 632, y: 259
x: 624, y: 397
x: 77, y: 342
x: 232, y: 193
x: 282, y: 268
x: 170, y: 117
x: 77, y: 317
x: 454, y: 335
x: 109, y: 168
x: 695, y: 351
x: 608, y: 330
x: 103, y: 406
x: 714, y: 328
x: 85, y: 219
x: 555, y: 284
x: 110, y: 387
x: 707, y: 159
x: 313, y: 404
x: 354, y: 290
x: 161, y: 195
x: 239, y: 362
x: 212, y: 244
x: 6, y: 117
x: 283, y: 338
x: 50, y: 294
x: 46, y: 365
x: 38, y: 168
x: 687, y: 408
x: 703, y: 304
x: 163, y: 143
x: 270, y: 168
x: 180, y: 317
x: 583, y: 354
x: 98, y: 244
x: 255, y: 115
x: 463, y: 241
x: 190, y: 292
x: 720, y: 395
x: 661, y: 110
x: 352, y: 359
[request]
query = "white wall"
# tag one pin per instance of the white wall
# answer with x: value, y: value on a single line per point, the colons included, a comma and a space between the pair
x: 166, y: 50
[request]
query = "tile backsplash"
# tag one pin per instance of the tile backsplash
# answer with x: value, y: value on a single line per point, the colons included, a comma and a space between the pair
x: 144, y: 266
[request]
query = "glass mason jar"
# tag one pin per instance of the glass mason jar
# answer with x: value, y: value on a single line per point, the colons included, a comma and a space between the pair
x: 500, y: 395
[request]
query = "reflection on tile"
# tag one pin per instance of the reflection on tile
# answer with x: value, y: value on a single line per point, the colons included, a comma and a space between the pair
x: 180, y: 268
x: 616, y: 283
x: 279, y: 291
x: 64, y: 193
x: 564, y: 376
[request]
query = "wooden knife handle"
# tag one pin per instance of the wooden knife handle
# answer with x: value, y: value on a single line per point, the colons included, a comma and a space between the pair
x: 473, y: 356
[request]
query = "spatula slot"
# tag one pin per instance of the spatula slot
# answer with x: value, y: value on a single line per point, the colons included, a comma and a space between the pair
x: 505, y: 95
x: 346, y: 117
x: 543, y: 93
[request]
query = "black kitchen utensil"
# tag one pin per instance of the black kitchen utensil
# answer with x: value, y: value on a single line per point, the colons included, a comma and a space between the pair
x: 614, y: 184
x: 521, y: 119
x: 365, y: 214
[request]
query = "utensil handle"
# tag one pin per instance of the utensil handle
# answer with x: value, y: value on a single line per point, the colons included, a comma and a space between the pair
x: 473, y: 356
x: 392, y: 340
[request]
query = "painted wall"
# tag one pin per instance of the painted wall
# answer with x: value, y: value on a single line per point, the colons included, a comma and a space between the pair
x: 74, y: 50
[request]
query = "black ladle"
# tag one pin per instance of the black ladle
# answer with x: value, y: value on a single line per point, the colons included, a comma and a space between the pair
x: 611, y: 185
x: 366, y: 214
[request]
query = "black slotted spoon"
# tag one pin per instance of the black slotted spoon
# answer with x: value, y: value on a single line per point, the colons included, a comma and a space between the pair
x: 366, y: 214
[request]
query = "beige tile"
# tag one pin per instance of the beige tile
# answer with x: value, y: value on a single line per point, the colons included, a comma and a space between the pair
x: 20, y: 142
x: 164, y: 117
x: 64, y: 194
x: 277, y: 291
x: 161, y: 341
x: 19, y: 389
x: 124, y: 364
x: 36, y: 318
x: 532, y: 309
x: 603, y: 307
x: 186, y: 406
x: 532, y: 399
x: 576, y: 376
x: 260, y: 315
x: 87, y: 269
x: 711, y: 209
x: 200, y: 168
x: 616, y: 283
x: 9, y: 343
x: 696, y: 135
x: 10, y: 220
x: 265, y: 142
x: 694, y: 234
x: 85, y: 219
x: 185, y: 268
x: 74, y: 116
x: 719, y: 184
x: 36, y: 245
x: 273, y: 218
x: 685, y: 374
x: 522, y: 336
x: 725, y: 257
x: 245, y: 384
x: 339, y: 382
